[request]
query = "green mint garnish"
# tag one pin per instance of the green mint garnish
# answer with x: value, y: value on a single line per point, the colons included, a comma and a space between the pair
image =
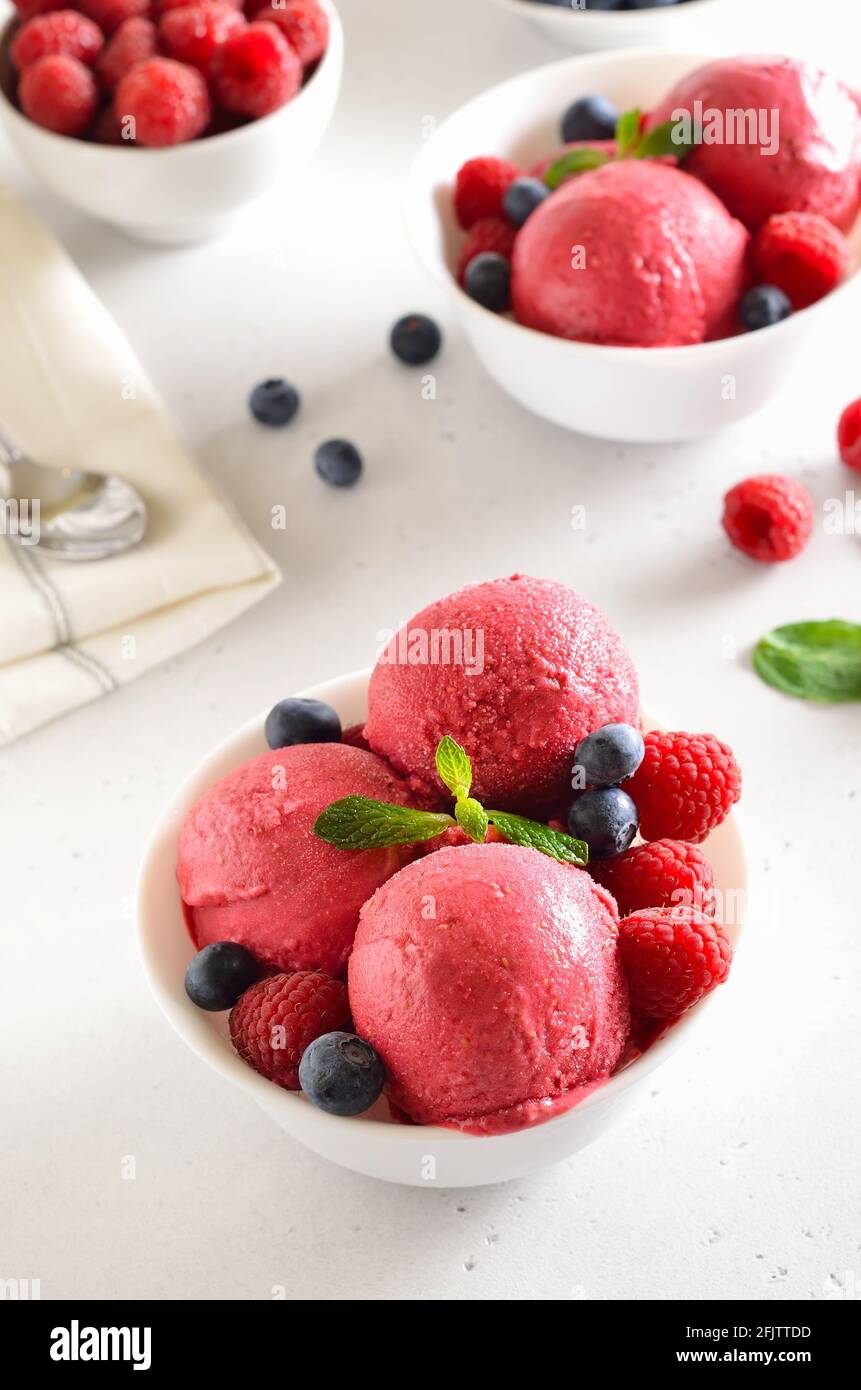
x: 628, y: 132
x: 472, y: 817
x: 664, y: 139
x: 534, y: 835
x: 574, y: 162
x: 454, y: 767
x: 667, y: 138
x: 813, y: 661
x: 358, y: 822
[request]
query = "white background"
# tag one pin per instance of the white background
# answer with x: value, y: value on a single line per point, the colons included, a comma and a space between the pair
x: 735, y: 1174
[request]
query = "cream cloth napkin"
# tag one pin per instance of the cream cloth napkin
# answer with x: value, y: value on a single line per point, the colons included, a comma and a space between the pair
x: 72, y: 393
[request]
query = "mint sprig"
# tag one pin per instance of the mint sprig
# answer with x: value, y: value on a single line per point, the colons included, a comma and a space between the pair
x: 359, y: 822
x: 574, y: 162
x: 671, y: 137
x: 812, y: 661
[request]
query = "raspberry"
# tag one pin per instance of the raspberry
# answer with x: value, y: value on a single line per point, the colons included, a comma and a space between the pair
x: 28, y: 8
x: 671, y: 959
x: 162, y: 102
x: 663, y: 873
x: 110, y: 14
x: 134, y: 42
x: 303, y: 22
x: 277, y: 1018
x: 487, y: 234
x: 769, y: 517
x: 60, y: 94
x: 849, y: 436
x: 685, y: 786
x: 63, y: 31
x: 192, y: 34
x: 801, y: 253
x: 163, y: 7
x: 256, y: 71
x: 480, y: 187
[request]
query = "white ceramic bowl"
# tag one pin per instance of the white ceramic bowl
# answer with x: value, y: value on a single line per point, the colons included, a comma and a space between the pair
x: 588, y: 31
x: 640, y: 394
x: 188, y: 192
x: 374, y: 1144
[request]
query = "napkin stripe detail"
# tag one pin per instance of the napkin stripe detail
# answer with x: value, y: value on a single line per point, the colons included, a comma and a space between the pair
x: 88, y: 663
x: 36, y: 576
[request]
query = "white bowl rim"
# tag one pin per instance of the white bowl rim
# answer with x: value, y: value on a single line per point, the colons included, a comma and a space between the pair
x: 228, y: 1064
x: 573, y: 346
x: 190, y: 149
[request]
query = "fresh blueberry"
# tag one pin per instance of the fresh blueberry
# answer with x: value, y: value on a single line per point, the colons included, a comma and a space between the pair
x: 522, y: 198
x: 606, y: 819
x: 648, y: 4
x: 590, y: 118
x: 609, y: 755
x: 338, y: 462
x: 301, y: 721
x: 219, y: 974
x: 274, y: 402
x: 341, y: 1074
x: 764, y: 305
x: 415, y: 339
x: 488, y: 280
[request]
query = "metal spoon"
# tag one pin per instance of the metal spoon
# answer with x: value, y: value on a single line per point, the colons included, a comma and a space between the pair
x: 72, y: 515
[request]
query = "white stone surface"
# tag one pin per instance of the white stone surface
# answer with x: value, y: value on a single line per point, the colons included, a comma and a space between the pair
x: 736, y: 1173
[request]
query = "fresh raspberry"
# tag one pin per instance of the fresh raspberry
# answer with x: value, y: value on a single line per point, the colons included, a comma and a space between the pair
x: 801, y: 253
x: 303, y: 22
x: 671, y: 958
x: 192, y: 34
x: 769, y: 517
x: 28, y: 8
x: 110, y: 14
x: 849, y: 436
x: 134, y: 42
x: 487, y: 234
x: 162, y: 102
x: 662, y: 873
x: 163, y: 7
x: 276, y: 1019
x: 256, y: 71
x: 685, y: 786
x: 60, y: 94
x: 63, y: 31
x: 480, y: 188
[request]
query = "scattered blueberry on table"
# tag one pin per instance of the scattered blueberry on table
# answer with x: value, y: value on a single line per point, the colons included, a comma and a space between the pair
x: 415, y: 339
x: 274, y: 402
x: 338, y: 462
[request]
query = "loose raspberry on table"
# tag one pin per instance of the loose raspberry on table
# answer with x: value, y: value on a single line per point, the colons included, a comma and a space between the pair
x: 59, y: 93
x: 487, y: 234
x: 480, y: 187
x: 134, y: 42
x: 276, y: 1019
x: 803, y: 254
x: 849, y: 436
x: 110, y: 14
x: 768, y: 517
x: 193, y: 34
x: 685, y: 786
x: 671, y: 959
x: 303, y: 22
x: 256, y: 71
x: 63, y: 31
x: 162, y: 102
x: 662, y: 873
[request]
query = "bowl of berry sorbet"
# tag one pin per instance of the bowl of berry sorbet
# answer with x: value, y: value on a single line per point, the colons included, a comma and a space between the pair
x: 589, y: 26
x: 164, y: 118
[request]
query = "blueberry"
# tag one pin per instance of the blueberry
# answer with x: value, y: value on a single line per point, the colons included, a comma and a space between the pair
x: 764, y: 305
x: 590, y: 118
x: 415, y: 339
x: 522, y: 198
x: 648, y: 4
x: 338, y: 462
x: 301, y: 721
x: 606, y: 819
x: 341, y: 1074
x: 488, y: 280
x: 609, y: 755
x: 219, y: 974
x: 274, y: 402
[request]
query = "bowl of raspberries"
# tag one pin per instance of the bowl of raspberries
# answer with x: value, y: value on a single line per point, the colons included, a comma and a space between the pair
x: 164, y: 117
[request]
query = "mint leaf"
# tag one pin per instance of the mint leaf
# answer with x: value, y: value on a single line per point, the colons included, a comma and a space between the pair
x: 628, y: 132
x: 666, y: 138
x: 358, y: 822
x: 453, y: 766
x: 532, y: 834
x: 574, y: 162
x: 471, y: 817
x: 813, y: 661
